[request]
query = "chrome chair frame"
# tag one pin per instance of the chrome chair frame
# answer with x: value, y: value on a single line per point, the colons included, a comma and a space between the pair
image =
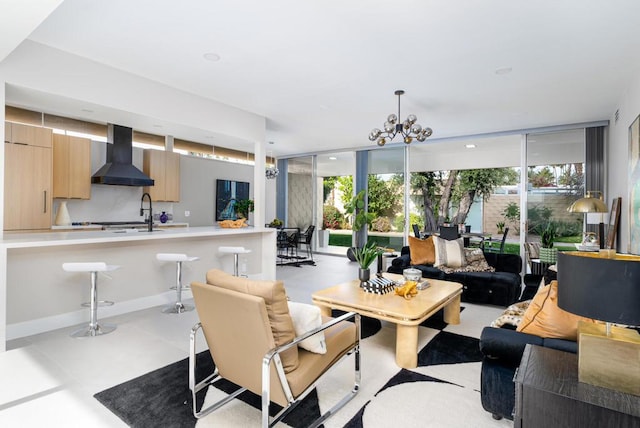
x: 273, y: 356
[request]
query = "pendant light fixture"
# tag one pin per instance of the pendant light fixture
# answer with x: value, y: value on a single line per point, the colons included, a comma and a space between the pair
x: 408, y: 129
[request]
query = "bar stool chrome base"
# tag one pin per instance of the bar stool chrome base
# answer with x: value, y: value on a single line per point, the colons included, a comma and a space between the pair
x: 236, y: 251
x: 93, y: 330
x: 178, y: 307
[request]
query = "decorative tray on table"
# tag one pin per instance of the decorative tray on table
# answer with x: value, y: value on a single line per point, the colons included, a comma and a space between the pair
x: 233, y: 224
x: 379, y: 285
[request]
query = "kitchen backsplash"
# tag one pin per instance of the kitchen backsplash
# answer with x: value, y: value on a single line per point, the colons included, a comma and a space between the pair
x: 111, y: 203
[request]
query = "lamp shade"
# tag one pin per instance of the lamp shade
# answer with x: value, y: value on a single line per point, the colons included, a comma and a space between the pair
x: 588, y: 204
x: 605, y: 289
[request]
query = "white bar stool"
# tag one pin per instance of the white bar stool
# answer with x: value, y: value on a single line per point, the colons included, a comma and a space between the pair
x: 93, y: 329
x: 235, y: 251
x: 178, y: 307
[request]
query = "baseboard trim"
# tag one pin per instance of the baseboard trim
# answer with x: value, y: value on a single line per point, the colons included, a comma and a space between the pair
x: 42, y: 325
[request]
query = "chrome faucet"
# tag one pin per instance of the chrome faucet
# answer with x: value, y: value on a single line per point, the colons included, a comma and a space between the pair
x: 150, y: 209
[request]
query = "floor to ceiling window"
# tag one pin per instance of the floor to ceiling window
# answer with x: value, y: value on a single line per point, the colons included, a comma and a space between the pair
x: 555, y: 175
x: 485, y: 195
x: 385, y: 180
x: 334, y: 189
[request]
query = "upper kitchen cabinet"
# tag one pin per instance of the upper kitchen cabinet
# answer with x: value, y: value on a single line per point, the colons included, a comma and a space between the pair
x: 71, y: 167
x: 164, y: 168
x: 28, y: 135
x: 27, y: 187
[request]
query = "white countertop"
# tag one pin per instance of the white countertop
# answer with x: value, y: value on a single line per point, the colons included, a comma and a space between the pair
x: 50, y: 239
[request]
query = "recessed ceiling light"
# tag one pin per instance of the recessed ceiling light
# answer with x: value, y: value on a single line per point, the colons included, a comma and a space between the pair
x: 470, y: 146
x: 157, y: 126
x: 333, y: 158
x: 211, y: 56
x: 503, y: 70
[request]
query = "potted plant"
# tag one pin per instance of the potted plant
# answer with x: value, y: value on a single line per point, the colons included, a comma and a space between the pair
x: 365, y: 256
x: 276, y: 223
x: 500, y: 226
x: 548, y: 254
x: 244, y: 207
x: 360, y: 219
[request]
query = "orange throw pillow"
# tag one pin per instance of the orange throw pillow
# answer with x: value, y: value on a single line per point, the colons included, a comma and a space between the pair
x: 422, y: 251
x: 544, y: 318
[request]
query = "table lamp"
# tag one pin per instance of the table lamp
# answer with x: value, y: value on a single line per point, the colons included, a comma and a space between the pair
x: 604, y: 289
x: 589, y: 204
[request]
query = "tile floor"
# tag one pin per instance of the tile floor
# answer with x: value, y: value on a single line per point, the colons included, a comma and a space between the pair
x: 49, y: 379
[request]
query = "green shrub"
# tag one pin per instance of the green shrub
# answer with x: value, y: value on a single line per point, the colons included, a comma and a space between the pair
x: 565, y: 228
x: 381, y: 224
x: 413, y: 219
x: 537, y: 218
x: 332, y: 218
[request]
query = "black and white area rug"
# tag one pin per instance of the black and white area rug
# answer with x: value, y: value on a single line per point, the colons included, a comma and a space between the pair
x: 443, y: 391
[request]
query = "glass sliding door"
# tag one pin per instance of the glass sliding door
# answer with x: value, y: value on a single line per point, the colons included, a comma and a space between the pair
x: 555, y: 175
x: 386, y: 191
x: 472, y: 183
x: 334, y: 189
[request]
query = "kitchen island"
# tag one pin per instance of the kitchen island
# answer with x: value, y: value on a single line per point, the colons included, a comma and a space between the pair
x: 36, y: 295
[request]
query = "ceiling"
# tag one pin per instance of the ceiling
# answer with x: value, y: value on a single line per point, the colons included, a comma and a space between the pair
x: 323, y: 74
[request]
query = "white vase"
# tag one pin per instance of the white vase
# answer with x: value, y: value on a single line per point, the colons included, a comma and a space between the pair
x: 62, y: 216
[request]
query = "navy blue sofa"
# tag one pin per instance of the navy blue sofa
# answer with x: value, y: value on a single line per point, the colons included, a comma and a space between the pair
x: 501, y: 287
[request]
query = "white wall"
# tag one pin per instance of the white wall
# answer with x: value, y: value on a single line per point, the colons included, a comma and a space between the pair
x: 618, y: 155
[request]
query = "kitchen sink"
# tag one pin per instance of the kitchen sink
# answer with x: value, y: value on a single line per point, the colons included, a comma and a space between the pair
x: 135, y: 230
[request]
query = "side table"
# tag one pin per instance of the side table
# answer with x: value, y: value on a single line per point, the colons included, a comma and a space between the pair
x: 548, y: 394
x: 385, y: 259
x: 539, y: 267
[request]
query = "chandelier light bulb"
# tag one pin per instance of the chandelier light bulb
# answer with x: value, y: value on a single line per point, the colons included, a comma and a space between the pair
x: 408, y: 130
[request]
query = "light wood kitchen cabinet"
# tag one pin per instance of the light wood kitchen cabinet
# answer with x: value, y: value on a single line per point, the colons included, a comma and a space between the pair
x: 164, y: 168
x: 27, y: 187
x: 25, y: 134
x: 71, y: 167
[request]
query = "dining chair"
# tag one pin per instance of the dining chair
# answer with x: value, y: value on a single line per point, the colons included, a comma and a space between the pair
x: 250, y: 335
x: 488, y: 243
x: 305, y: 239
x: 449, y: 232
x: 416, y: 230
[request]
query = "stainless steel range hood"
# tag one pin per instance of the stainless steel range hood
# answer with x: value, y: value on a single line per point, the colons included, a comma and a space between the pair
x: 119, y: 169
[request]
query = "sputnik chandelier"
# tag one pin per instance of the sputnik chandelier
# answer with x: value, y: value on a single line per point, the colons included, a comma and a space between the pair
x: 272, y: 171
x: 409, y: 129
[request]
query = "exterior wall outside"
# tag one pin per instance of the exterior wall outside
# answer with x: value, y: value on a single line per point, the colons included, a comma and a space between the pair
x: 496, y: 204
x: 300, y: 201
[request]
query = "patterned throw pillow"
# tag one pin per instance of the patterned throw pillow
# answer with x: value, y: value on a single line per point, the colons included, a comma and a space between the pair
x: 512, y: 315
x: 475, y: 262
x: 449, y: 253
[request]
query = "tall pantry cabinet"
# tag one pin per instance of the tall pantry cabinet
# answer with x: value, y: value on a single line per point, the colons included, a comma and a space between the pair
x: 28, y: 177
